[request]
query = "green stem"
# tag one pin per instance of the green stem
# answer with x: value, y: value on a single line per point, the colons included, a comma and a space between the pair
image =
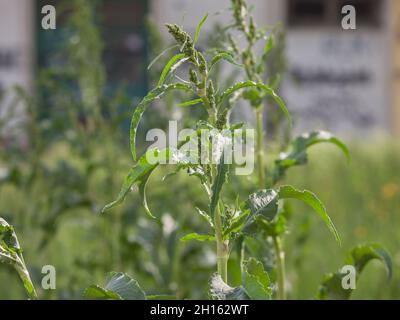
x: 222, y: 248
x: 26, y: 279
x: 260, y: 146
x: 280, y: 267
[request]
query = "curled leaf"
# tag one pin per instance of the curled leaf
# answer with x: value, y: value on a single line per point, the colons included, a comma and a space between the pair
x: 266, y: 89
x: 198, y: 29
x: 142, y: 106
x: 289, y: 192
x: 296, y: 153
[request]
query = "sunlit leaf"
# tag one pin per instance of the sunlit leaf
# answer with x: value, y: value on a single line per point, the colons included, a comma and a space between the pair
x: 289, y: 192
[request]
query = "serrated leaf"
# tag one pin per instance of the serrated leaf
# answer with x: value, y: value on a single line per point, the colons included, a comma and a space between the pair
x: 142, y: 106
x: 224, y: 55
x: 198, y: 29
x: 289, y: 192
x: 198, y: 237
x: 255, y: 280
x: 297, y: 150
x: 266, y: 89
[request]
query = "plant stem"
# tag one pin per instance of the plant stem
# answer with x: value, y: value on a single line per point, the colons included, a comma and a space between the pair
x: 26, y: 279
x: 260, y: 146
x: 222, y: 248
x: 280, y: 267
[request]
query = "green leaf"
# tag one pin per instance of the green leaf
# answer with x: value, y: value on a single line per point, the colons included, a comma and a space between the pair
x: 199, y: 26
x: 126, y: 287
x: 289, y: 192
x: 255, y: 280
x: 161, y: 54
x: 98, y: 293
x: 171, y: 65
x: 142, y: 183
x: 119, y: 286
x: 142, y: 106
x: 206, y: 217
x: 331, y: 286
x: 273, y: 228
x: 198, y: 237
x: 237, y: 223
x: 269, y: 44
x: 255, y: 284
x: 297, y: 150
x: 266, y: 89
x: 222, y: 172
x: 190, y: 103
x: 362, y: 254
x: 11, y: 253
x: 224, y: 55
x: 138, y: 174
x: 264, y: 202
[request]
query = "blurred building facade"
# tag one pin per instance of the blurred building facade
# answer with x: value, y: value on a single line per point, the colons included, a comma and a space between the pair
x: 341, y: 80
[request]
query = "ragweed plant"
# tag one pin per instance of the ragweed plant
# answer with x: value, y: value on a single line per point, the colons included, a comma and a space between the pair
x: 262, y: 214
x: 225, y: 220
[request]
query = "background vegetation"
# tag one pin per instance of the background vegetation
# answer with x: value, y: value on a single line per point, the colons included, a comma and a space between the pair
x: 52, y: 192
